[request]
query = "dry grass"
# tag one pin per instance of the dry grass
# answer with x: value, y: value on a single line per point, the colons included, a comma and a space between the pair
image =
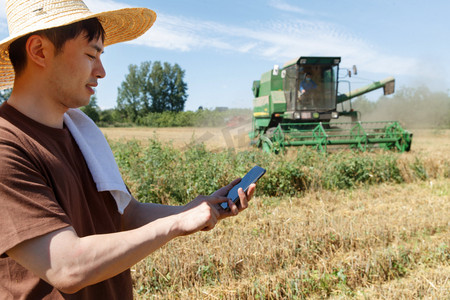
x: 435, y: 142
x: 422, y: 283
x: 214, y: 138
x: 388, y: 241
x: 424, y: 140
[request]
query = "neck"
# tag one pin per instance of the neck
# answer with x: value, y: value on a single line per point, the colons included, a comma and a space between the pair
x: 32, y: 100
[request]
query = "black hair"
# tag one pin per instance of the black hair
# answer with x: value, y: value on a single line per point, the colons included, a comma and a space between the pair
x: 92, y: 28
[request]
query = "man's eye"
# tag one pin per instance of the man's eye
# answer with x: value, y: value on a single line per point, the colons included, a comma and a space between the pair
x: 91, y: 56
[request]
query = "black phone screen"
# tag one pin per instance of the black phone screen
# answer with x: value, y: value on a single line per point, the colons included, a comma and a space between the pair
x: 251, y: 177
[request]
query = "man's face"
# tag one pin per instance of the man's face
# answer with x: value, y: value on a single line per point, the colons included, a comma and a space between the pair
x: 75, y: 70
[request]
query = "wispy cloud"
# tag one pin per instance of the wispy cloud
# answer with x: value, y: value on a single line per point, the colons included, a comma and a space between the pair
x: 2, y: 10
x: 3, y: 24
x: 277, y: 41
x: 283, y: 6
x: 105, y: 5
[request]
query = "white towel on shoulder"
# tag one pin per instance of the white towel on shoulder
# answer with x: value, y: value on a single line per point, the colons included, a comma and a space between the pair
x: 98, y: 156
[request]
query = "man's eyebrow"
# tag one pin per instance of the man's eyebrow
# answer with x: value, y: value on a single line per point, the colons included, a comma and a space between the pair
x: 98, y: 49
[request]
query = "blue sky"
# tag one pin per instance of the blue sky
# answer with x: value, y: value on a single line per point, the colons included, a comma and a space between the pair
x: 224, y: 45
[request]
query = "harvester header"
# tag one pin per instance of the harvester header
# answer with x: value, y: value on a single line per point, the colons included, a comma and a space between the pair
x: 296, y: 105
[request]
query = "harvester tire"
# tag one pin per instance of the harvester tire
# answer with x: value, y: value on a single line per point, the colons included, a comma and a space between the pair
x: 269, y: 132
x: 266, y: 144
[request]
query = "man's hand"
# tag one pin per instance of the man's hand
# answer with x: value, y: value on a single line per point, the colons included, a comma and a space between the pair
x: 70, y: 263
x: 243, y: 197
x: 204, y: 212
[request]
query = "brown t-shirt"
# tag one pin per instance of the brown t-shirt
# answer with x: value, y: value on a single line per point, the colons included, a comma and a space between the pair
x: 46, y: 185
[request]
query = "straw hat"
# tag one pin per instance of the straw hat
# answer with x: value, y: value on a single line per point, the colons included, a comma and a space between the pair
x: 27, y: 16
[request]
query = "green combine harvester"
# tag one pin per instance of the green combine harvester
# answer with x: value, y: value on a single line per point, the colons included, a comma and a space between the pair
x: 297, y: 105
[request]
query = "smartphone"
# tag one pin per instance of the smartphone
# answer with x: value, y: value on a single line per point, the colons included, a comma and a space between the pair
x: 251, y: 177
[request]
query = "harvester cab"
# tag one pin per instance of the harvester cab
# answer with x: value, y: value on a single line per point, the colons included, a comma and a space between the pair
x: 295, y: 105
x: 310, y: 86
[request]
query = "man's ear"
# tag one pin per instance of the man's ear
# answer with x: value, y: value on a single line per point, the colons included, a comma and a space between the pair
x: 38, y: 49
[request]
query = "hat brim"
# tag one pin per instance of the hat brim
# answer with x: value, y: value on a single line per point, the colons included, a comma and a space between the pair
x: 120, y: 26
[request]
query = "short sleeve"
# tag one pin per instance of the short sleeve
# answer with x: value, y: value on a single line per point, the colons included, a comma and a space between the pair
x: 28, y: 207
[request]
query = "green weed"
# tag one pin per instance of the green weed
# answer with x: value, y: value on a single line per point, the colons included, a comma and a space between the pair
x: 163, y: 174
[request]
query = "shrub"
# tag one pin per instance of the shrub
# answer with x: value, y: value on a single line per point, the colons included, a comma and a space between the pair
x: 162, y: 174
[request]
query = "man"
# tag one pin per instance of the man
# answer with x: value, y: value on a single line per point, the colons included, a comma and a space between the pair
x: 307, y: 84
x: 61, y: 237
x: 306, y: 95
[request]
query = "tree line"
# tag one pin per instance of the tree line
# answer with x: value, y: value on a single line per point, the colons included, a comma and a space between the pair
x: 150, y: 88
x: 417, y: 107
x: 154, y: 95
x: 198, y: 118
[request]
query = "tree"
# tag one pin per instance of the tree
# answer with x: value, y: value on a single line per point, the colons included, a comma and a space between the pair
x: 151, y: 88
x: 92, y: 109
x: 133, y: 96
x: 168, y: 88
x: 4, y: 95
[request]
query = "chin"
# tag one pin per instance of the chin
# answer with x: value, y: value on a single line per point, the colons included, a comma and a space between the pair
x: 79, y: 104
x: 86, y: 102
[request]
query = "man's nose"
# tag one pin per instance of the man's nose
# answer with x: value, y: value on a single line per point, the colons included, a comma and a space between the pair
x: 99, y: 70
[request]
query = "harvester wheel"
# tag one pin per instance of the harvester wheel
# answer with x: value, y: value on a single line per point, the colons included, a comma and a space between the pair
x: 266, y: 144
x: 266, y: 147
x: 269, y: 132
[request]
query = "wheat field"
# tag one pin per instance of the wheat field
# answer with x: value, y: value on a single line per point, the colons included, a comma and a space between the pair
x: 435, y: 141
x: 386, y: 241
x: 214, y: 138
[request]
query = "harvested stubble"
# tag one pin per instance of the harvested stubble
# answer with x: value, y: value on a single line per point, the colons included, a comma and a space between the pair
x: 383, y: 241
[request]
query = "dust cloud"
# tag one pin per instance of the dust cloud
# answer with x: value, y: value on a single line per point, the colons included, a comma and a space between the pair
x: 412, y: 107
